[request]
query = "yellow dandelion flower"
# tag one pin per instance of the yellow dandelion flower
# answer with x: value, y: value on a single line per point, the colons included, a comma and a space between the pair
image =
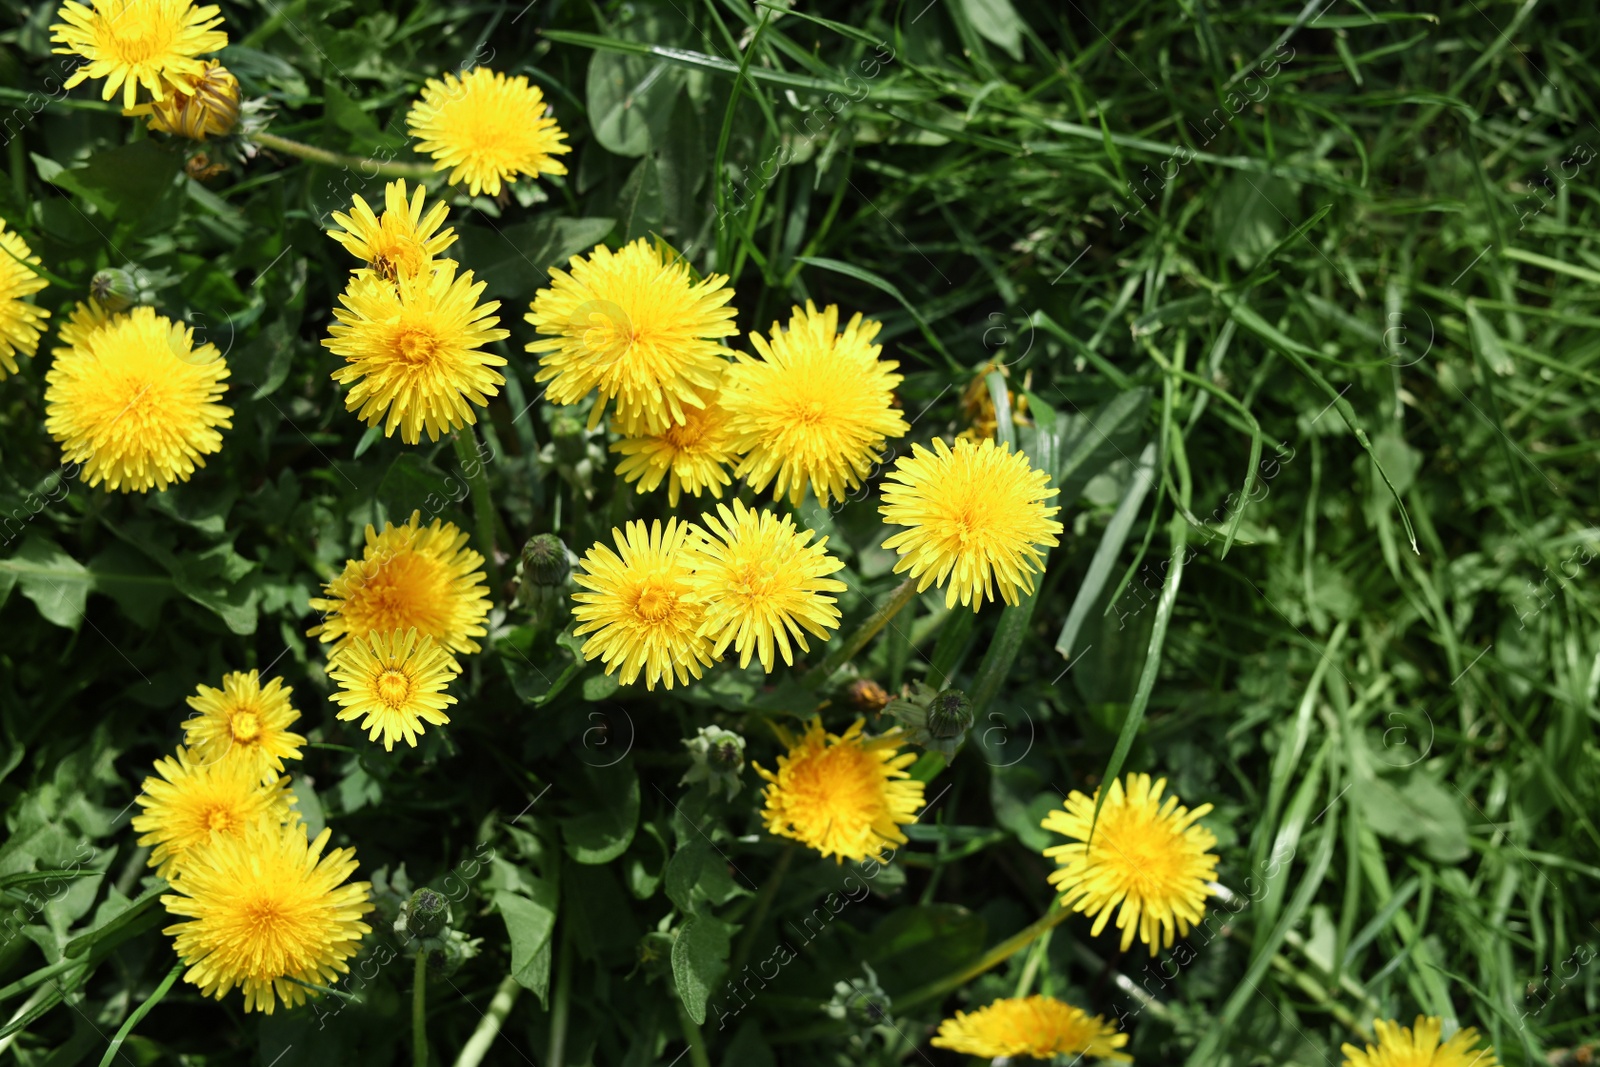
x: 401, y: 241
x: 486, y: 128
x: 130, y: 43
x: 265, y: 908
x: 977, y: 518
x: 637, y: 329
x: 1149, y: 856
x: 414, y: 351
x: 398, y: 682
x: 408, y: 577
x: 815, y: 409
x: 1037, y: 1026
x: 246, y: 722
x: 844, y: 795
x: 761, y: 582
x: 637, y: 606
x: 200, y: 106
x: 194, y: 800
x: 135, y: 402
x: 20, y: 321
x: 694, y: 453
x: 1400, y: 1046
x: 85, y: 318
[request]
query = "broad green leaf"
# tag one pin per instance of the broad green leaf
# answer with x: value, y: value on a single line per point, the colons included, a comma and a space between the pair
x: 530, y: 920
x: 699, y: 958
x: 609, y: 813
x: 998, y: 22
x: 57, y: 584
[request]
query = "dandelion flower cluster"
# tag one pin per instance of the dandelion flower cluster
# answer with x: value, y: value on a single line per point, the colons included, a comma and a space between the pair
x: 670, y: 601
x: 634, y: 327
x: 134, y: 43
x: 1419, y: 1046
x: 194, y: 801
x: 135, y: 401
x: 394, y: 683
x: 408, y: 577
x: 486, y: 129
x: 1147, y: 855
x: 21, y: 322
x: 1039, y: 1027
x: 816, y: 408
x: 636, y: 605
x: 761, y: 582
x: 975, y: 517
x: 845, y: 795
x: 397, y: 617
x: 403, y: 241
x: 200, y: 107
x: 694, y: 455
x: 413, y: 350
x: 244, y: 722
x: 265, y: 910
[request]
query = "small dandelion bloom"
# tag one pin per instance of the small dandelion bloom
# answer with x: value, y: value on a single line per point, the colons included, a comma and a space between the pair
x: 199, y: 107
x: 1419, y: 1046
x: 85, y: 318
x: 408, y: 577
x: 400, y: 242
x: 1149, y: 856
x: 266, y: 911
x: 761, y: 582
x: 977, y: 519
x: 21, y: 322
x: 637, y: 608
x: 844, y: 795
x: 485, y: 129
x: 694, y: 454
x: 1036, y: 1026
x: 129, y: 43
x: 192, y: 801
x: 397, y: 681
x: 413, y: 350
x: 136, y: 402
x: 246, y: 722
x: 815, y: 409
x: 636, y: 328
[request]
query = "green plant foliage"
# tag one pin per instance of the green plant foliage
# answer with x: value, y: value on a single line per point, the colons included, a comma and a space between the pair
x: 1292, y: 303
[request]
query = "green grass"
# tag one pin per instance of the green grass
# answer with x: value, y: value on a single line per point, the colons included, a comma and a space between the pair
x: 1330, y: 296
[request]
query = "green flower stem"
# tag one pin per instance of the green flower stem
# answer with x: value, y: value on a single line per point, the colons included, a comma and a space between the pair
x: 477, y: 1045
x: 313, y: 154
x: 419, y: 1012
x: 139, y: 1013
x: 769, y: 892
x: 858, y: 640
x: 692, y: 1034
x: 466, y: 443
x: 560, y: 1010
x: 988, y: 961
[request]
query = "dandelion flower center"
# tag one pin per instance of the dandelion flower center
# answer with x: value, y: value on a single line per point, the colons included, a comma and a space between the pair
x: 1147, y: 855
x: 394, y: 688
x: 189, y: 802
x: 655, y: 603
x: 245, y: 726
